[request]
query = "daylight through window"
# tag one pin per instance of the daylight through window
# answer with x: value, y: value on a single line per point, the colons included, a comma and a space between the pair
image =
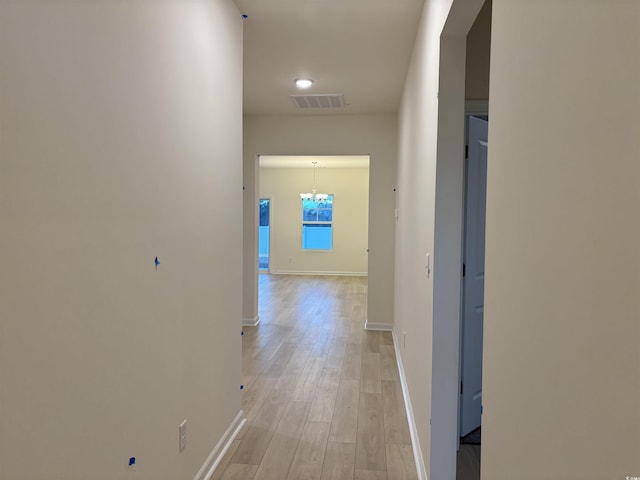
x: 317, y: 222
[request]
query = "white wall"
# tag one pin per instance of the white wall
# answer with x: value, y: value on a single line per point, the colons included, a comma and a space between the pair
x: 373, y: 135
x: 350, y: 187
x: 120, y: 141
x: 562, y: 328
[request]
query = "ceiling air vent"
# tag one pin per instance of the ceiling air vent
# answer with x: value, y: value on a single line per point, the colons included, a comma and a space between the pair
x: 325, y: 100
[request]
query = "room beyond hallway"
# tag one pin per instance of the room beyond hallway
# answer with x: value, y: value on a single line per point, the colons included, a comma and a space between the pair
x: 322, y: 396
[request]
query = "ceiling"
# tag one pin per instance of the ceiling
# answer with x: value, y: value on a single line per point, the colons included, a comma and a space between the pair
x: 306, y: 161
x: 358, y: 48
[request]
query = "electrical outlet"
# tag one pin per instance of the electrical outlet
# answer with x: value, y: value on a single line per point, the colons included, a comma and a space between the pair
x: 182, y: 432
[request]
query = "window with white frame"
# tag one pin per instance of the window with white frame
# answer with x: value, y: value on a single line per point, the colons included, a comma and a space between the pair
x: 317, y: 222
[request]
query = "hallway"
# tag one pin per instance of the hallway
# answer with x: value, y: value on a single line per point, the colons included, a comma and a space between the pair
x: 322, y: 397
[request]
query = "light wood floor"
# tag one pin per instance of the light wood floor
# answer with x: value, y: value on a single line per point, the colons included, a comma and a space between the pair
x: 322, y: 396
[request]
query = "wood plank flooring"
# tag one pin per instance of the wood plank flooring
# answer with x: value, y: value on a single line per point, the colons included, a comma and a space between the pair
x: 322, y: 396
x: 468, y: 463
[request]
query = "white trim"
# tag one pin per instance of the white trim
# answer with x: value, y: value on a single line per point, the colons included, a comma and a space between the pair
x: 218, y: 452
x: 384, y: 327
x: 251, y: 322
x: 477, y: 107
x: 304, y: 272
x: 415, y: 441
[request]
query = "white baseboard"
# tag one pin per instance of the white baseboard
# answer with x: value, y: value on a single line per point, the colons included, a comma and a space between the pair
x: 384, y: 327
x: 218, y: 452
x: 251, y: 322
x: 415, y: 441
x: 305, y: 272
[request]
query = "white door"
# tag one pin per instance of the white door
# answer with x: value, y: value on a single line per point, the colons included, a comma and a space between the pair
x: 473, y: 282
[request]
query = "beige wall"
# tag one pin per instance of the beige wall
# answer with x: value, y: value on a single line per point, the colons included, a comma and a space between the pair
x: 561, y: 363
x: 120, y: 142
x: 350, y: 187
x: 373, y: 135
x: 562, y: 327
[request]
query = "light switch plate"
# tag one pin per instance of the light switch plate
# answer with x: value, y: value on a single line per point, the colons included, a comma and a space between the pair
x: 182, y: 431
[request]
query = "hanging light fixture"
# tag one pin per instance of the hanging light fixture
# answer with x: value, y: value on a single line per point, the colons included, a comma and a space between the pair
x: 316, y: 197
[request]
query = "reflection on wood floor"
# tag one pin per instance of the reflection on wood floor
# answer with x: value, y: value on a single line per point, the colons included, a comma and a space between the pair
x: 322, y: 396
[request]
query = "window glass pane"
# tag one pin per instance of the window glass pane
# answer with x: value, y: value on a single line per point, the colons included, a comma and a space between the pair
x: 309, y: 204
x: 325, y: 215
x: 317, y: 237
x: 264, y: 212
x: 309, y: 215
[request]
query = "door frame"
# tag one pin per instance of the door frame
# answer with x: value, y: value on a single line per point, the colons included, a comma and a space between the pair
x: 447, y: 261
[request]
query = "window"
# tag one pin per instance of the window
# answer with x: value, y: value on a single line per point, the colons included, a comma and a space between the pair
x: 317, y: 222
x: 263, y: 235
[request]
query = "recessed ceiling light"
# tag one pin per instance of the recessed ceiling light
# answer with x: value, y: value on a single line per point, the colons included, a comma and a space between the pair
x: 303, y: 82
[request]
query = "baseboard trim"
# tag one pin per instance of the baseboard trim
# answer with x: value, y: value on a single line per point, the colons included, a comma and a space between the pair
x: 215, y: 457
x: 333, y: 274
x: 383, y: 327
x: 413, y: 430
x: 251, y: 322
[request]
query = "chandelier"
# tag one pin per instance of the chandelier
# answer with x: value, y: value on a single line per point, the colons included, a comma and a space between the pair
x: 313, y: 195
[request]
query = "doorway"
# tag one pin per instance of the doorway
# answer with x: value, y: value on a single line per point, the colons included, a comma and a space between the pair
x: 475, y: 193
x: 463, y: 88
x: 320, y: 223
x: 264, y: 234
